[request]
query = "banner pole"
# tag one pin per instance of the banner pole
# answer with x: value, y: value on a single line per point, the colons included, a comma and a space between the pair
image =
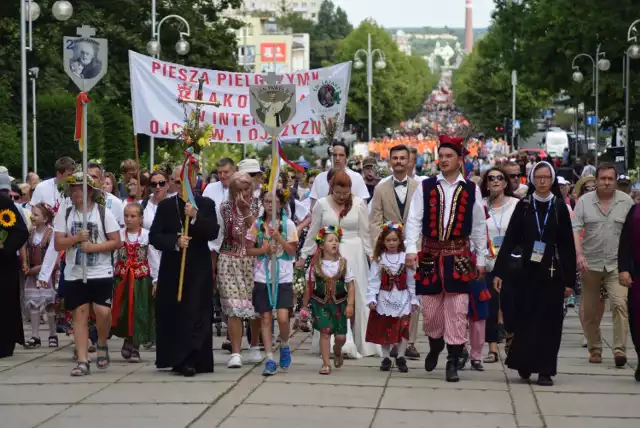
x: 85, y: 162
x: 274, y: 224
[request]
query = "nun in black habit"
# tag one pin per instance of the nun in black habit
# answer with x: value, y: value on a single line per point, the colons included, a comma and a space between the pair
x: 13, y: 235
x: 540, y: 233
x: 184, y: 339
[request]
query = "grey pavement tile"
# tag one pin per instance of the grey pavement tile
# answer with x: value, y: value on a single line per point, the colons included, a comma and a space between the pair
x: 316, y: 395
x: 458, y: 400
x: 524, y: 401
x: 149, y: 373
x: 593, y: 383
x: 138, y: 416
x: 20, y: 358
x: 27, y: 416
x: 269, y: 416
x: 587, y: 422
x: 398, y: 418
x: 173, y: 392
x: 358, y: 376
x: 583, y: 366
x: 419, y: 378
x: 602, y: 405
x: 30, y: 374
x: 48, y: 394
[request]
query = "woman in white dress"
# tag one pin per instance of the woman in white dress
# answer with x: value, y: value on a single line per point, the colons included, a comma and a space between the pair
x: 342, y: 208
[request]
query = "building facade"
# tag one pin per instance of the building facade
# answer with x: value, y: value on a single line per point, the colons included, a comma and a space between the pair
x: 307, y: 8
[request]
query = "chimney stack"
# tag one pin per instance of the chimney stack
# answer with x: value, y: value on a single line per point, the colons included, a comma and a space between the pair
x: 468, y: 27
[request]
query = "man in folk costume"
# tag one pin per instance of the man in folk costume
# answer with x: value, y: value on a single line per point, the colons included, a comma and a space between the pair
x: 447, y: 211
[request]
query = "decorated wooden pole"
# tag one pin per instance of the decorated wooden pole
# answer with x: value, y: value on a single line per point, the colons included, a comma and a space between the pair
x: 85, y: 62
x: 272, y: 106
x: 195, y: 136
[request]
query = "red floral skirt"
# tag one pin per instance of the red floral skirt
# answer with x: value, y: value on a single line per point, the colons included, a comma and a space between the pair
x: 387, y: 330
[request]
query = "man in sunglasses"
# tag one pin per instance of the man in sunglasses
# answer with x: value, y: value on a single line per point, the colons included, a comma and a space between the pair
x: 513, y: 172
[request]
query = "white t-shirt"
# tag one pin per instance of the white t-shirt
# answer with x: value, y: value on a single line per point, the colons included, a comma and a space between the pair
x: 116, y: 207
x: 497, y: 224
x: 98, y: 264
x: 320, y: 187
x: 47, y: 192
x: 285, y: 266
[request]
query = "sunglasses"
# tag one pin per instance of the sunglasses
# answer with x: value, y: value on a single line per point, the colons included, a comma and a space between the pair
x: 589, y: 188
x: 495, y: 177
x: 514, y: 175
x: 161, y: 183
x: 254, y: 174
x: 15, y: 197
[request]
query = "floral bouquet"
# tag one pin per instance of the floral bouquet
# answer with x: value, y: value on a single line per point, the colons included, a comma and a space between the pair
x: 7, y: 220
x: 195, y: 134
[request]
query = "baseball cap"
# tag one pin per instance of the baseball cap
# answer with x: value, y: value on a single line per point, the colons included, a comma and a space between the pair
x: 624, y: 178
x: 5, y: 181
x: 249, y: 166
x: 4, y: 170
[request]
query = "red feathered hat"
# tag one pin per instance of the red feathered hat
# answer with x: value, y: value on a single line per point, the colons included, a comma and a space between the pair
x: 453, y: 143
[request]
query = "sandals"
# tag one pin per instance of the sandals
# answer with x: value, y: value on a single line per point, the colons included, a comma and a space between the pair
x: 103, y: 360
x: 325, y: 370
x: 127, y: 350
x: 75, y: 356
x: 492, y: 357
x: 53, y: 341
x: 82, y: 369
x: 135, y: 356
x: 338, y: 358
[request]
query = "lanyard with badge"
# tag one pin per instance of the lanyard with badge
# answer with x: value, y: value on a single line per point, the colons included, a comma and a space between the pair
x: 539, y: 246
x: 497, y: 240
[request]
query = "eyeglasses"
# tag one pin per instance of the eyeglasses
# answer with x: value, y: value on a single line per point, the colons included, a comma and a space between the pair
x: 513, y: 176
x: 254, y: 174
x: 495, y: 177
x: 542, y: 178
x: 161, y: 183
x: 15, y: 197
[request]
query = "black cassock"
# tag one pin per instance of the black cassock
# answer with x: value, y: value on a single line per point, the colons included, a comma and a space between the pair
x: 538, y: 294
x: 183, y: 329
x: 10, y: 313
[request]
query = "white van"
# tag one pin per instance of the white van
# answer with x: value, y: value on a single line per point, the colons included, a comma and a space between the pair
x: 555, y: 142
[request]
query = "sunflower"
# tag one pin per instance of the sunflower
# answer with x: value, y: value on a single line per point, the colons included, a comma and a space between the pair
x: 7, y: 218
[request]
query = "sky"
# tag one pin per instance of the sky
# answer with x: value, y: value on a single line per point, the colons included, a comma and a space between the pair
x: 417, y: 13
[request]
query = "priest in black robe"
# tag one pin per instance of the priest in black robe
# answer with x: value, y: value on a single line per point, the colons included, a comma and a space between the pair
x: 16, y: 236
x: 184, y: 338
x: 539, y: 287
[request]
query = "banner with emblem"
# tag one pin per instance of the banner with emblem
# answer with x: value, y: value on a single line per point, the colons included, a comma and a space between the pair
x: 156, y: 85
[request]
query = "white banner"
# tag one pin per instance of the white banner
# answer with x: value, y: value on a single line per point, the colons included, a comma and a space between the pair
x: 156, y: 86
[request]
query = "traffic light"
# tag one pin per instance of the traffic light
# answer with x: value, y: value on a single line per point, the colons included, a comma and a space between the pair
x: 500, y: 129
x: 508, y: 126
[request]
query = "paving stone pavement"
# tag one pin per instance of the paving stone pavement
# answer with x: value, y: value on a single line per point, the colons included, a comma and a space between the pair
x: 37, y: 391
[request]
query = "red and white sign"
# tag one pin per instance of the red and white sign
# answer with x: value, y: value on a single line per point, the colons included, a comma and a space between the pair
x: 269, y: 51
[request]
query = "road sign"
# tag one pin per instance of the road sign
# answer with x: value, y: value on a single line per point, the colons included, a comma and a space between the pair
x: 85, y: 58
x: 516, y: 124
x: 548, y: 114
x: 591, y: 120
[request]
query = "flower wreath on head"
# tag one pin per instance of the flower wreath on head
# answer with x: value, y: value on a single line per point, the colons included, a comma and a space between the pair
x: 328, y: 230
x: 76, y: 179
x: 49, y: 209
x: 392, y: 225
x: 285, y: 192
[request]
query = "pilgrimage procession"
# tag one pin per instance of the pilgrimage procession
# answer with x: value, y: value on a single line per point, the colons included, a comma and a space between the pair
x: 349, y: 212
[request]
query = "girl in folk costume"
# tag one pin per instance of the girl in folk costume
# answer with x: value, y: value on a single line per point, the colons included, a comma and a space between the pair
x: 39, y: 296
x: 282, y: 242
x: 136, y: 273
x: 391, y: 296
x: 332, y: 293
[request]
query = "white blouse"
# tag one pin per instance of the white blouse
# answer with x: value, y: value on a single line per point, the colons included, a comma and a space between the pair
x: 330, y: 268
x: 394, y: 303
x: 497, y: 224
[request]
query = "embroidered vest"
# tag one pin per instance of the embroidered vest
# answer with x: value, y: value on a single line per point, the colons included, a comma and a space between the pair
x: 36, y: 253
x: 461, y: 210
x: 329, y: 290
x: 389, y: 280
x: 133, y: 256
x: 234, y: 228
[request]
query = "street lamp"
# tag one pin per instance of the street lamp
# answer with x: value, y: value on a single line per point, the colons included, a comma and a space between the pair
x: 29, y: 12
x: 633, y: 52
x: 380, y: 64
x: 33, y: 75
x: 153, y: 48
x: 603, y: 64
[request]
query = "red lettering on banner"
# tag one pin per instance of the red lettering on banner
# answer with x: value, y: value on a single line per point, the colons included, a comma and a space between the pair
x: 213, y: 98
x: 315, y: 127
x: 242, y: 101
x: 227, y: 100
x: 179, y: 73
x: 218, y: 134
x: 153, y: 126
x: 246, y: 120
x: 253, y: 134
x: 305, y: 127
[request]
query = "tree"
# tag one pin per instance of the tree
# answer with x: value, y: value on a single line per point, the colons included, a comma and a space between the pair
x: 332, y: 26
x: 397, y: 90
x: 126, y: 25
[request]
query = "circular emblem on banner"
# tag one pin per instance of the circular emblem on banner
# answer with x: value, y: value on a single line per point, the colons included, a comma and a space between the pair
x: 326, y: 97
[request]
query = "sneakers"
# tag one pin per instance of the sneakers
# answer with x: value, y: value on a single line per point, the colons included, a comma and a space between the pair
x: 571, y: 302
x: 401, y: 364
x: 385, y: 365
x: 269, y: 368
x: 254, y: 355
x: 285, y: 357
x: 235, y: 361
x: 620, y: 358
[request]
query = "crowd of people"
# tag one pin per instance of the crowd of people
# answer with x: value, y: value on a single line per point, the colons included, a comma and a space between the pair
x: 475, y: 251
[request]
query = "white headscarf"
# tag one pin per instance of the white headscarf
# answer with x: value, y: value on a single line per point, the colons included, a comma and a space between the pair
x: 553, y: 180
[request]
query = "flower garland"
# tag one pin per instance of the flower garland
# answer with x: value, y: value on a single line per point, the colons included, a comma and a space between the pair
x: 328, y: 230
